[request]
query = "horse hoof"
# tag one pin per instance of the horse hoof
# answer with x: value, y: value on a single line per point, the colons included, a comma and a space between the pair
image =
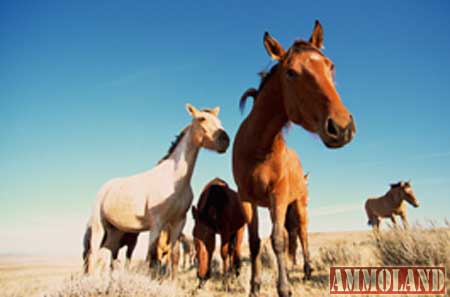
x: 308, y: 271
x: 254, y: 292
x: 284, y: 292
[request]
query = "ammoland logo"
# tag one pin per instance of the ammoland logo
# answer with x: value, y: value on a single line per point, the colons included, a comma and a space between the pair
x: 387, y: 280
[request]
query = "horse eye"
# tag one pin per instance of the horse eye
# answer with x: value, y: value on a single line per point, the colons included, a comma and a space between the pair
x: 333, y: 71
x: 291, y: 73
x: 201, y: 119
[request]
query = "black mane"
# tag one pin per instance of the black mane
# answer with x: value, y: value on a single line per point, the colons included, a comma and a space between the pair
x: 174, y: 145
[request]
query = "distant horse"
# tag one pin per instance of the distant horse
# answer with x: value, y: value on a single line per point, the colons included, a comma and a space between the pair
x: 164, y: 257
x: 188, y: 249
x: 292, y: 224
x: 154, y: 199
x: 299, y: 89
x: 218, y: 211
x: 391, y: 204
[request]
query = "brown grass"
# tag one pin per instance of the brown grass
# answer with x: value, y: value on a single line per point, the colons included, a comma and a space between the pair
x: 420, y: 246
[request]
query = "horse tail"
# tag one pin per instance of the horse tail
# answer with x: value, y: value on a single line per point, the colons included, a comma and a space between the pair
x: 87, y: 246
x: 367, y: 207
x: 95, y: 231
x: 252, y: 92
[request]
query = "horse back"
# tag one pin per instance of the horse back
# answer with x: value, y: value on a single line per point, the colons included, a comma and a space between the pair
x: 220, y: 208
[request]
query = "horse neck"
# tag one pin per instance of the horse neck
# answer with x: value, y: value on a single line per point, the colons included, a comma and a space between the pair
x: 268, y: 117
x: 184, y: 157
x: 396, y: 197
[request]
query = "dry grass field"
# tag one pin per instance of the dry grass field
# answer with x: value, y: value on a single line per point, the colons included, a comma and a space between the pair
x: 61, y: 277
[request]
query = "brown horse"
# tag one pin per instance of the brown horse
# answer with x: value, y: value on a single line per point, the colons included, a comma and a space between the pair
x: 292, y: 224
x: 298, y: 89
x: 392, y: 203
x: 218, y: 211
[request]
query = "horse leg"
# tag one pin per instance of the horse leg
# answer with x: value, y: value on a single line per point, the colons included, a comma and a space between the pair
x: 394, y: 222
x: 175, y: 231
x: 278, y: 215
x: 131, y: 240
x: 376, y: 224
x: 111, y: 245
x: 286, y: 248
x: 292, y: 244
x: 302, y: 215
x: 224, y: 254
x: 174, y: 259
x: 224, y: 250
x: 291, y: 226
x: 183, y: 255
x: 404, y: 220
x: 151, y: 258
x: 255, y: 245
x: 237, y: 250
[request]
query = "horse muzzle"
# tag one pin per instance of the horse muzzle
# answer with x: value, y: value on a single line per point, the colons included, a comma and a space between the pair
x: 202, y: 279
x: 222, y: 141
x: 334, y: 135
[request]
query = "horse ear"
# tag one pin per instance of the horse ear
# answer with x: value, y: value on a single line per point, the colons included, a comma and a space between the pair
x: 306, y: 177
x: 316, y: 38
x: 216, y: 110
x: 194, y: 212
x: 273, y: 48
x: 191, y: 110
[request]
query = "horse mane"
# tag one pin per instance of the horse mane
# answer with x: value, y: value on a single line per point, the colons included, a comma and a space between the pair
x: 396, y: 185
x: 303, y: 45
x: 252, y: 92
x: 174, y: 144
x: 208, y: 110
x: 205, y: 192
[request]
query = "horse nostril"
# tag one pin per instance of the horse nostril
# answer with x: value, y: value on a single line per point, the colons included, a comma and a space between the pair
x: 332, y: 128
x: 224, y: 137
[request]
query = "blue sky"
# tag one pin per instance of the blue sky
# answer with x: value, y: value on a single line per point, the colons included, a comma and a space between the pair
x: 91, y: 91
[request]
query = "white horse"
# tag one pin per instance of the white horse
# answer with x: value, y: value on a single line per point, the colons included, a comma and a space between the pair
x: 155, y: 199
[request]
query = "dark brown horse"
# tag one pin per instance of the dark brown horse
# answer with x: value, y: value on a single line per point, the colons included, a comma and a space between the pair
x: 218, y: 211
x: 298, y: 89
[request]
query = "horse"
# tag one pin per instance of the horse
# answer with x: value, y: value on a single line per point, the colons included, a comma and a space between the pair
x: 390, y: 204
x: 154, y: 199
x: 188, y: 249
x: 292, y: 224
x: 163, y: 257
x: 218, y: 211
x: 299, y: 89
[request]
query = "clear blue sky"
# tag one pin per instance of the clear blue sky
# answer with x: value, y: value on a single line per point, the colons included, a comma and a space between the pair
x: 91, y: 91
